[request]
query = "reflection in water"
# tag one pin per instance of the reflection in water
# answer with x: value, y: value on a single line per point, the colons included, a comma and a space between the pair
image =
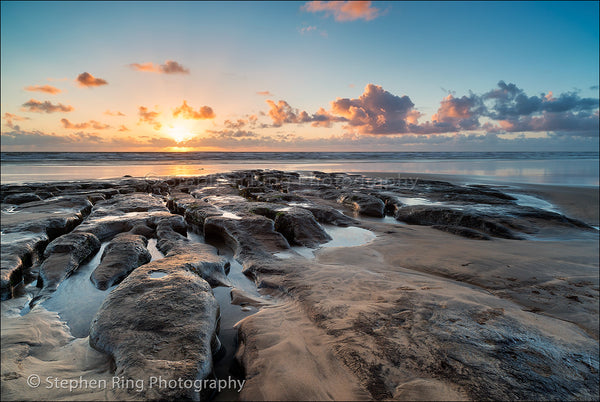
x: 77, y: 299
x: 546, y: 171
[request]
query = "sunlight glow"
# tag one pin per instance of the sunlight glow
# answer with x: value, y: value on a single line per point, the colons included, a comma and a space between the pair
x: 180, y: 133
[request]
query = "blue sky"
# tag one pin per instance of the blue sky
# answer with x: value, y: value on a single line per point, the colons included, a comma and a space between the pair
x: 303, y: 57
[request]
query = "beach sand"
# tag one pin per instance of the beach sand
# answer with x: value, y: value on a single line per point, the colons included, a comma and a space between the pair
x: 414, y: 314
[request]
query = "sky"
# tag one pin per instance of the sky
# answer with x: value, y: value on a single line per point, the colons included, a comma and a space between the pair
x: 299, y: 76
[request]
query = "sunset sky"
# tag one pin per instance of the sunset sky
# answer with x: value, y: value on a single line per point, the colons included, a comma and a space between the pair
x: 306, y: 76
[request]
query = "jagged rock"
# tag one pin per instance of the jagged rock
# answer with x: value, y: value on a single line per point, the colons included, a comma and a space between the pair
x: 299, y: 226
x: 124, y: 253
x: 162, y: 320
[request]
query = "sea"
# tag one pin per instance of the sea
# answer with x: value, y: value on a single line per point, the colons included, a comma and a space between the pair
x: 555, y: 168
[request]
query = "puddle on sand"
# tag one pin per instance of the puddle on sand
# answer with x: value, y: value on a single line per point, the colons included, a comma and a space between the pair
x: 77, y: 299
x: 350, y: 236
x: 225, y: 366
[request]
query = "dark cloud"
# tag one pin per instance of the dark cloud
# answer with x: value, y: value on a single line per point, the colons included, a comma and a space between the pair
x: 45, y: 107
x: 187, y: 112
x: 88, y: 80
x: 508, y: 102
x: 170, y: 67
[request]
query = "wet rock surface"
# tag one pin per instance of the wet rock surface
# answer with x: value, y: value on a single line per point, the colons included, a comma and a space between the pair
x: 159, y: 326
x: 124, y: 253
x: 392, y: 319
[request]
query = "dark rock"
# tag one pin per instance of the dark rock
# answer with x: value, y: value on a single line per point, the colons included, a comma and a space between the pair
x: 200, y: 258
x: 253, y: 236
x: 124, y: 253
x: 432, y: 215
x: 364, y: 204
x: 162, y: 320
x: 21, y: 198
x: 63, y: 256
x: 27, y: 231
x: 143, y: 230
x: 299, y: 226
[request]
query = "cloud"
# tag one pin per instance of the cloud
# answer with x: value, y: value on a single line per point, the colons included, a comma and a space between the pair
x: 231, y: 133
x: 122, y: 128
x: 307, y: 29
x: 507, y: 108
x: 36, y: 106
x: 88, y: 80
x: 116, y: 113
x: 41, y: 140
x: 82, y: 126
x: 49, y: 89
x: 376, y: 111
x: 9, y: 118
x: 508, y: 101
x: 18, y: 140
x: 264, y: 93
x: 187, y: 112
x: 149, y: 117
x: 170, y: 67
x: 344, y: 10
x: 281, y: 112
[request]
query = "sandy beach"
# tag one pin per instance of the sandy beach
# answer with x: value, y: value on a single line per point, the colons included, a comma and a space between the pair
x: 407, y: 288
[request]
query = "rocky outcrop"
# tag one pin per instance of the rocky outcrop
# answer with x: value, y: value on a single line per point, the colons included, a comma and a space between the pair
x: 200, y: 258
x: 124, y: 253
x: 299, y: 227
x: 21, y: 198
x: 433, y: 215
x: 251, y: 237
x: 162, y: 321
x: 28, y: 228
x: 364, y: 204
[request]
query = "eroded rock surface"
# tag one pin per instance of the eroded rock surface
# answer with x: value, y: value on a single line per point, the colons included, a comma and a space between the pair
x: 160, y: 321
x: 124, y: 253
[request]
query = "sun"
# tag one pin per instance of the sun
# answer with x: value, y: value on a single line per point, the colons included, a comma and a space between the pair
x: 180, y: 133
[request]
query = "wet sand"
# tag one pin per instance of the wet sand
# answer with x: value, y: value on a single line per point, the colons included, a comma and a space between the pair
x: 406, y: 312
